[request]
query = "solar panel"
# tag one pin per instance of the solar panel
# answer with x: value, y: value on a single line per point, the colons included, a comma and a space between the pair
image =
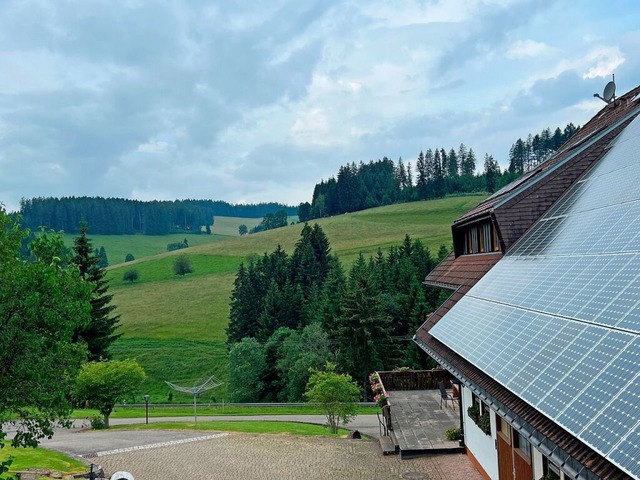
x: 557, y: 320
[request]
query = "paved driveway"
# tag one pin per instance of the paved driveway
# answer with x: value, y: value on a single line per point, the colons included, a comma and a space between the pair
x: 183, y: 455
x: 250, y: 456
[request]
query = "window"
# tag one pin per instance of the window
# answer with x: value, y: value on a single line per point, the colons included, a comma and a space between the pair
x: 522, y: 444
x: 480, y: 238
x: 479, y: 413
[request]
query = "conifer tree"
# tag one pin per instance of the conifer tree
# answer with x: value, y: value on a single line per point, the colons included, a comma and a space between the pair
x: 99, y: 334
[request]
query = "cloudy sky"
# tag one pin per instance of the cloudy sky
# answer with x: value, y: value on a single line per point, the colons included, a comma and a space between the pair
x: 258, y: 100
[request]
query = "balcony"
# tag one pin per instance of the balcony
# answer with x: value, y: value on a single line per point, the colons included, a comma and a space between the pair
x: 416, y: 415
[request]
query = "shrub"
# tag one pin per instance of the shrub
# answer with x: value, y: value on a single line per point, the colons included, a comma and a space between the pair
x: 453, y: 434
x: 130, y: 276
x: 97, y: 423
x: 129, y: 258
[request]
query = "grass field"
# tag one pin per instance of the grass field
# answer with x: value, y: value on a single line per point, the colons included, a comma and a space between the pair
x: 140, y: 246
x: 175, y: 326
x: 273, y: 427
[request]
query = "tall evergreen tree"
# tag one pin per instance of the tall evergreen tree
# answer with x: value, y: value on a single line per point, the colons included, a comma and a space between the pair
x: 364, y: 328
x: 99, y: 334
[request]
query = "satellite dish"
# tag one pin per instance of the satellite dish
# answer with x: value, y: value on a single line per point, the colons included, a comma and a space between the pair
x: 609, y: 91
x: 122, y: 476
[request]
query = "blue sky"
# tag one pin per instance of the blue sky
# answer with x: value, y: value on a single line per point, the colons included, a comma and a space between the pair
x: 259, y: 100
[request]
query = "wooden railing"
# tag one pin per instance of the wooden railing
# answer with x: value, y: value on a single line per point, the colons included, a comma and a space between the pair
x: 415, y: 379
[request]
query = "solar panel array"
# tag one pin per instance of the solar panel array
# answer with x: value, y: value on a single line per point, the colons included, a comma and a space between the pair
x: 557, y: 320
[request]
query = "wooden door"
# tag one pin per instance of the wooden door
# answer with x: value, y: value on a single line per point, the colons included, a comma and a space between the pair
x: 505, y: 458
x: 523, y: 469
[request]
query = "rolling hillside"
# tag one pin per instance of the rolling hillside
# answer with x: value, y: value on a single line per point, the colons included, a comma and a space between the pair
x: 175, y: 326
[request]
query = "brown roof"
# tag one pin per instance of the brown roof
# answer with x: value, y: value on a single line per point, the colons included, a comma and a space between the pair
x: 465, y: 270
x: 607, y: 116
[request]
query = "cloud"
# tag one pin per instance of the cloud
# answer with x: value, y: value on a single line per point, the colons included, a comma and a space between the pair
x: 259, y: 100
x: 526, y: 49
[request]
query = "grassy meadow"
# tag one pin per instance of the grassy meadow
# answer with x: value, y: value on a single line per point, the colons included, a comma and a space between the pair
x: 175, y: 326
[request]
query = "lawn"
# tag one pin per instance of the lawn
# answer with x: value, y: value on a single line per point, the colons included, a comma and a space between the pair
x: 140, y: 246
x: 24, y: 458
x: 156, y: 411
x: 289, y: 428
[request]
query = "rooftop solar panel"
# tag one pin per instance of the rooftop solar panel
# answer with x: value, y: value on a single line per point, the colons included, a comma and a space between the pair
x: 557, y: 320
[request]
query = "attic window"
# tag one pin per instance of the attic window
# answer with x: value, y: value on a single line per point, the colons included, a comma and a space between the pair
x: 480, y: 238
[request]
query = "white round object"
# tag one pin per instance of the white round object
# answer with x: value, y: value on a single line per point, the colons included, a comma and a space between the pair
x: 122, y: 476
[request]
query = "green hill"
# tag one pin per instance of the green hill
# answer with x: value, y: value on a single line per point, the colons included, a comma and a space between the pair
x: 175, y: 326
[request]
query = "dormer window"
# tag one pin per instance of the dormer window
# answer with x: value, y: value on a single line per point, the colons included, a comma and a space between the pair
x: 480, y: 238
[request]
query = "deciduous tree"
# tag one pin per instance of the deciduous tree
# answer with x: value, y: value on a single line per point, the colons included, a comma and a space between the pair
x: 336, y: 394
x: 103, y: 384
x: 182, y: 265
x: 42, y: 304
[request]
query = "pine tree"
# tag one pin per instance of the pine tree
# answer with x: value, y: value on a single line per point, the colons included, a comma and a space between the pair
x: 364, y: 328
x: 99, y: 334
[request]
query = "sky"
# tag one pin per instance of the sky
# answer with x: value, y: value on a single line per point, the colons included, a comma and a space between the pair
x: 257, y: 101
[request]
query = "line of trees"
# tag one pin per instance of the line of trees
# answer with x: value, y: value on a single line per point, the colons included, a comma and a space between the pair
x: 117, y: 216
x: 528, y: 153
x: 436, y: 173
x: 291, y: 313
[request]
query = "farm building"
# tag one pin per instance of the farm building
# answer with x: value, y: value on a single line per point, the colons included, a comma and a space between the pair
x: 542, y: 328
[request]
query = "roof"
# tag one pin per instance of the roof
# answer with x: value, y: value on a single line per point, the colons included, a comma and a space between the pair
x: 585, y: 137
x: 503, y: 301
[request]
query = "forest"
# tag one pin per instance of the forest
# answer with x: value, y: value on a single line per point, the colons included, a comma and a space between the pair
x: 290, y: 313
x: 118, y: 216
x: 436, y: 173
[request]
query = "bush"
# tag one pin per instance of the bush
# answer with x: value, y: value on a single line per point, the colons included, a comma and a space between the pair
x: 453, y: 434
x: 130, y: 276
x: 129, y: 258
x: 182, y: 265
x: 97, y: 423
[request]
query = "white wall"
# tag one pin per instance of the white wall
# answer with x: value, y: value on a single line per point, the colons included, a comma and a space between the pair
x: 481, y: 446
x: 537, y: 463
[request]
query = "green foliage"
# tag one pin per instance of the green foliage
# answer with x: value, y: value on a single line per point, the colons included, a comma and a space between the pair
x: 271, y: 221
x: 129, y: 257
x: 335, y: 393
x: 177, y: 350
x: 117, y: 216
x: 177, y: 245
x: 130, y: 276
x: 99, y: 334
x: 102, y: 384
x: 182, y: 265
x: 42, y: 304
x: 453, y: 434
x: 246, y: 367
x: 97, y: 423
x: 242, y: 229
x: 298, y: 355
x: 481, y: 420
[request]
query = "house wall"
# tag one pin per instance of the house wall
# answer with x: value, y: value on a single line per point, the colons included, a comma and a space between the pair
x: 481, y: 446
